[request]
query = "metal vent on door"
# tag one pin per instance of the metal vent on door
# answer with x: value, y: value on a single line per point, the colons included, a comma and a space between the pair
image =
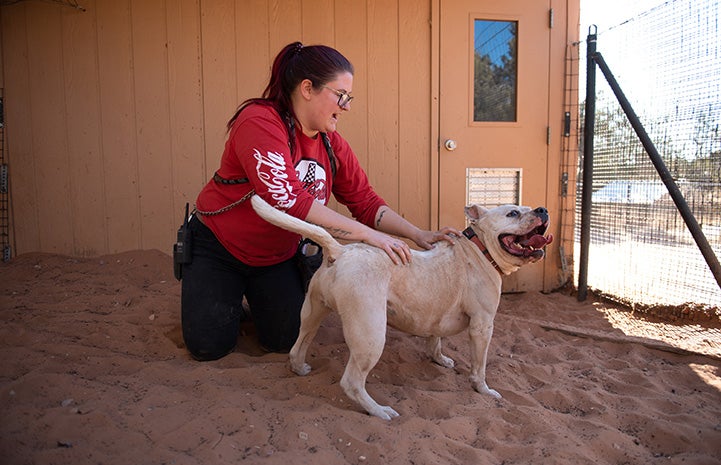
x: 491, y: 187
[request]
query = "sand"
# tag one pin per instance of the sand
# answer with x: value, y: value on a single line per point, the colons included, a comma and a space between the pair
x: 93, y: 371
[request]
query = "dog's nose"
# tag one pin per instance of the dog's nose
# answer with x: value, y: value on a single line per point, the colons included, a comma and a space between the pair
x: 542, y: 213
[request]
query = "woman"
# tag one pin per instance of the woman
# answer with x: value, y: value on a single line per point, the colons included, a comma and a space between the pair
x: 284, y: 147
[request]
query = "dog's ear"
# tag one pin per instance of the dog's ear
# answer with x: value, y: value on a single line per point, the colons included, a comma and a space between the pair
x: 474, y: 212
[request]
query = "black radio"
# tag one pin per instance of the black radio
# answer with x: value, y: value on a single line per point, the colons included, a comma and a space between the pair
x: 182, y: 249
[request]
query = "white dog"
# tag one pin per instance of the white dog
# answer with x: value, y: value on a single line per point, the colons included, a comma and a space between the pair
x: 442, y: 292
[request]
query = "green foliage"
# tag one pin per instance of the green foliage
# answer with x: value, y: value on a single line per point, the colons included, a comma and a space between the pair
x: 619, y: 154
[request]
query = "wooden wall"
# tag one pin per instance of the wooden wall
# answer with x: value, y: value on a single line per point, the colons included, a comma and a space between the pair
x: 115, y: 116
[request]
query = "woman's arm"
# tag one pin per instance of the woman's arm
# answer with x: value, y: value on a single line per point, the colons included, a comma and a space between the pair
x: 343, y: 227
x: 391, y: 222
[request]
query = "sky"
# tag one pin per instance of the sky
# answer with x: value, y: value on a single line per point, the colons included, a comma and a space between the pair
x: 605, y: 15
x: 609, y: 13
x: 653, y: 81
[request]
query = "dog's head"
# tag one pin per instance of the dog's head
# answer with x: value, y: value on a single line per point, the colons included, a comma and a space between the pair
x: 513, y: 235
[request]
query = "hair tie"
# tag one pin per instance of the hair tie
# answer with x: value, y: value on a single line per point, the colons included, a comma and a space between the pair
x: 298, y: 47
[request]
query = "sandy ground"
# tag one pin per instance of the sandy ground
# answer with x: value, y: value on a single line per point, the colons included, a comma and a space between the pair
x: 93, y: 371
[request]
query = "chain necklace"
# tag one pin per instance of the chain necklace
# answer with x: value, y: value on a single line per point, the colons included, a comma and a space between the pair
x: 227, y: 207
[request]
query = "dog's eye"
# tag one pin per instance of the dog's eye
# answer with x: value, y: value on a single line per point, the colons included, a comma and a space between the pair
x: 513, y: 213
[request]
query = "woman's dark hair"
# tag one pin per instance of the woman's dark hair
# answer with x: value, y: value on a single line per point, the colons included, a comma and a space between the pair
x: 318, y: 63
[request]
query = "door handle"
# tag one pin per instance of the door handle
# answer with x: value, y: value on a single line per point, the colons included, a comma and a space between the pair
x: 450, y: 145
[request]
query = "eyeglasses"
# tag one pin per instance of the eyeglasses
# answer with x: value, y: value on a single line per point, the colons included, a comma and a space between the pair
x: 344, y: 97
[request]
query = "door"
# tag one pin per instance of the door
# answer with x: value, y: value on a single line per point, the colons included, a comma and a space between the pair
x: 493, y: 121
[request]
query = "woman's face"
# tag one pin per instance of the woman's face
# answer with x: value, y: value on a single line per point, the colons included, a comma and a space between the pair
x: 322, y: 111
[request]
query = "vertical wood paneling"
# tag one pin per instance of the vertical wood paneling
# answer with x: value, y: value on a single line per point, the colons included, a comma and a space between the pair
x: 351, y: 27
x: 414, y: 73
x: 285, y: 25
x: 150, y: 76
x: 82, y: 118
x: 383, y: 101
x: 220, y: 96
x: 253, y: 54
x: 316, y: 21
x: 25, y: 226
x: 118, y: 133
x: 47, y: 107
x: 137, y: 121
x: 434, y: 116
x: 185, y: 100
x: 350, y: 20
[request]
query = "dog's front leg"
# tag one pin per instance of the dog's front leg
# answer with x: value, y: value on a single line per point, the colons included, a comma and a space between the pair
x: 480, y: 334
x: 434, y: 349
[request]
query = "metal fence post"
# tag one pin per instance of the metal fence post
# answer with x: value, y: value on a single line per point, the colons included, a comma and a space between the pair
x: 587, y: 182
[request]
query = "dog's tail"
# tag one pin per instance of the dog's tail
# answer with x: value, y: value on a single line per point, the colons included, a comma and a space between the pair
x: 331, y: 248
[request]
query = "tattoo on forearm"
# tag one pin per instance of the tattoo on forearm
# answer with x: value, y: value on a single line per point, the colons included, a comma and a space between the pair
x: 338, y: 232
x: 335, y: 232
x: 380, y: 217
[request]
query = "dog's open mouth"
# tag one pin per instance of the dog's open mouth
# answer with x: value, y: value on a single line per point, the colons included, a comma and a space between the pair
x: 529, y: 245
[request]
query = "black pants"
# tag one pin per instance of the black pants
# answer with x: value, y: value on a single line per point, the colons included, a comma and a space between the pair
x: 212, y: 294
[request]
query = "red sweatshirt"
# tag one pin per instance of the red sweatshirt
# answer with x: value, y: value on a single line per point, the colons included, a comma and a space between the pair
x: 257, y: 149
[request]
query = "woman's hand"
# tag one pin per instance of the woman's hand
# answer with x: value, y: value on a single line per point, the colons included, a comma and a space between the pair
x: 426, y: 239
x: 397, y: 250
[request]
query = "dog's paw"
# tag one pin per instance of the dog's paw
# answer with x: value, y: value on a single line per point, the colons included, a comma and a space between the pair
x: 445, y: 361
x: 482, y: 388
x: 385, y: 412
x: 301, y: 370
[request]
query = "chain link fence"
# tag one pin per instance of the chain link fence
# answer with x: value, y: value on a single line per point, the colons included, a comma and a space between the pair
x: 667, y: 60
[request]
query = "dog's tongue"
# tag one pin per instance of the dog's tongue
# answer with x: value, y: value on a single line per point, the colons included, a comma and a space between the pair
x: 537, y: 241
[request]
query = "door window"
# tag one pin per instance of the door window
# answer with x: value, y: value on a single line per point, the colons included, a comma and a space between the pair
x: 495, y: 70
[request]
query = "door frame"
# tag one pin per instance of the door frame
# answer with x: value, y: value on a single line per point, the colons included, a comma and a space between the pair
x: 562, y: 162
x: 435, y: 139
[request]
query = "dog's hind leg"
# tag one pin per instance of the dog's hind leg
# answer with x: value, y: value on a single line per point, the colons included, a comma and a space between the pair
x: 353, y: 383
x: 480, y: 340
x: 365, y: 337
x: 311, y: 316
x: 434, y: 349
